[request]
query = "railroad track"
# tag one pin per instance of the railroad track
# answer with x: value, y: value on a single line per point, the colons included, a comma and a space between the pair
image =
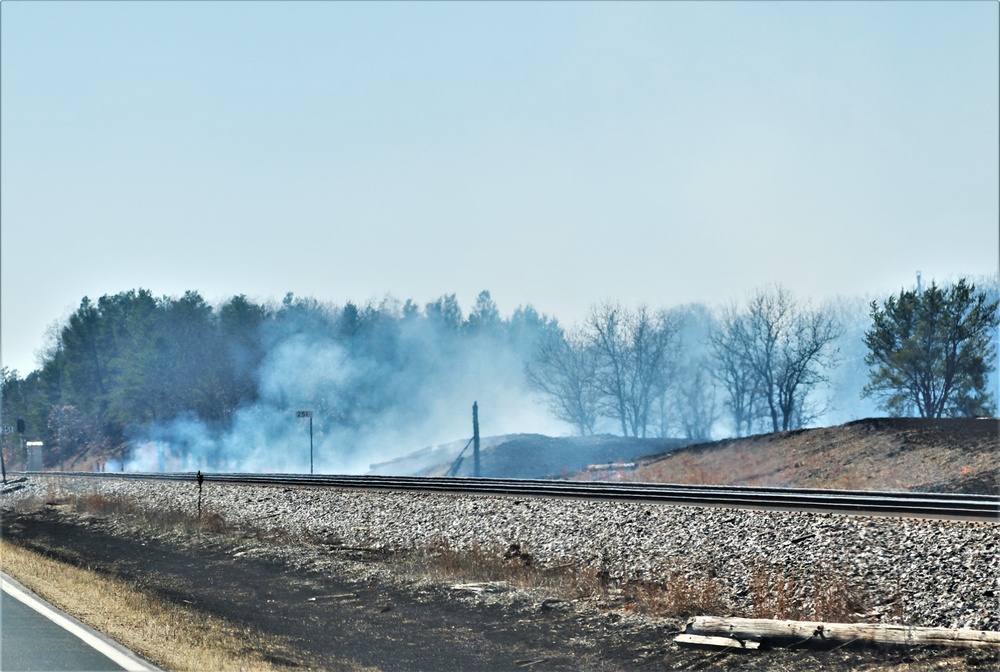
x: 916, y: 504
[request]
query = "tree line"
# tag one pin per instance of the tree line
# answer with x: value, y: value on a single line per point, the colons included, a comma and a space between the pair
x: 757, y: 365
x: 128, y: 361
x: 763, y: 359
x: 131, y: 361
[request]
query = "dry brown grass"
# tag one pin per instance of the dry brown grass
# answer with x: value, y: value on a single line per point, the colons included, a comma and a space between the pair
x: 834, y: 600
x: 680, y: 596
x: 99, y: 504
x: 515, y: 567
x: 879, y: 454
x: 172, y: 636
x: 826, y: 596
x: 161, y: 519
x: 773, y: 592
x: 741, y: 465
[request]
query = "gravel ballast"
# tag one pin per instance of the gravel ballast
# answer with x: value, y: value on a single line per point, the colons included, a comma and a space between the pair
x: 894, y: 570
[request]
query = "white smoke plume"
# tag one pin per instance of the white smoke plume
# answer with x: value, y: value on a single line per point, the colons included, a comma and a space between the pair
x: 406, y: 384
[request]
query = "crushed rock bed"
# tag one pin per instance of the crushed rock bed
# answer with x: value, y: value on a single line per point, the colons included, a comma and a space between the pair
x: 918, y: 572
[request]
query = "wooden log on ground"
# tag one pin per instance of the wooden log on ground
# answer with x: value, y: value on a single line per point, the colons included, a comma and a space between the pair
x: 819, y: 633
x: 716, y: 642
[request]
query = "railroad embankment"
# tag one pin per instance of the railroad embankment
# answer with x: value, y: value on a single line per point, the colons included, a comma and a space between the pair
x: 915, y: 454
x: 743, y: 563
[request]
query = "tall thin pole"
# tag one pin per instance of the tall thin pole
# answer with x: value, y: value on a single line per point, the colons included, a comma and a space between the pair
x: 308, y: 414
x: 475, y: 439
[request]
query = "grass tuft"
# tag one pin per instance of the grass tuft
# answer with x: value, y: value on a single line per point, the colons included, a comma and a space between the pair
x: 514, y: 566
x: 826, y: 596
x: 680, y: 596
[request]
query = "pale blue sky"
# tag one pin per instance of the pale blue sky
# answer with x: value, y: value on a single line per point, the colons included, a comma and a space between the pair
x: 556, y: 154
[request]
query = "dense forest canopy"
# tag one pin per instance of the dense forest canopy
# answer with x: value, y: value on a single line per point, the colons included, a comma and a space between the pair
x: 177, y: 383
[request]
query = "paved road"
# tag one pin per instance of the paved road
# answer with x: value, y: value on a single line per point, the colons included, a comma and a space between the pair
x: 36, y: 636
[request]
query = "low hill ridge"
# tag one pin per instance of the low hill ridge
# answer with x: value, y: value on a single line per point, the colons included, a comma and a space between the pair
x: 918, y: 454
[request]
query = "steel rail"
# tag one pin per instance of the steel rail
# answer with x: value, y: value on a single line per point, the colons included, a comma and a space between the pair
x: 884, y: 503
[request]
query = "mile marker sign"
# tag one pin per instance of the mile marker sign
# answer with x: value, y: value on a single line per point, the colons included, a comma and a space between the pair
x: 303, y: 414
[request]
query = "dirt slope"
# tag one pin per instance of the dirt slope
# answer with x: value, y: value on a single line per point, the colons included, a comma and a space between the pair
x: 948, y: 455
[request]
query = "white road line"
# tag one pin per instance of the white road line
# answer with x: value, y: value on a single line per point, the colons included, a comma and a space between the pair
x: 130, y: 663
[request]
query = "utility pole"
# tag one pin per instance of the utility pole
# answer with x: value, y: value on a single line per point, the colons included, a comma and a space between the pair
x: 475, y: 440
x: 308, y: 414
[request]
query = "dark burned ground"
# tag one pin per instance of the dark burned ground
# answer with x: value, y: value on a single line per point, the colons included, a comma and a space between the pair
x: 528, y: 456
x: 338, y: 609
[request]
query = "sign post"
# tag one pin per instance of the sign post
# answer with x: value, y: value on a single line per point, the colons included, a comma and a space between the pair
x: 7, y: 429
x: 308, y: 414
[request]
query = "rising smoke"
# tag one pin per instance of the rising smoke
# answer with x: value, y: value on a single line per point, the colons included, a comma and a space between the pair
x: 380, y: 386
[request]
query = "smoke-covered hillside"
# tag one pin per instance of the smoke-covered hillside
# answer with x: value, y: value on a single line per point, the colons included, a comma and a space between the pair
x: 526, y: 456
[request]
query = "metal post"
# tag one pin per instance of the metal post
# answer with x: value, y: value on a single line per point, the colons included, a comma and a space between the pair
x: 201, y: 479
x: 475, y: 439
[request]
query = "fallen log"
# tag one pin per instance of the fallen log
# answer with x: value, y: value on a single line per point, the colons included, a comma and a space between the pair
x: 702, y: 641
x: 818, y: 633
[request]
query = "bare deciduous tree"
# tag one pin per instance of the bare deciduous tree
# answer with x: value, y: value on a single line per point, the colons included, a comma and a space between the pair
x: 636, y: 351
x: 695, y: 401
x: 788, y: 347
x: 773, y: 354
x: 564, y: 371
x: 691, y: 408
x: 733, y: 370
